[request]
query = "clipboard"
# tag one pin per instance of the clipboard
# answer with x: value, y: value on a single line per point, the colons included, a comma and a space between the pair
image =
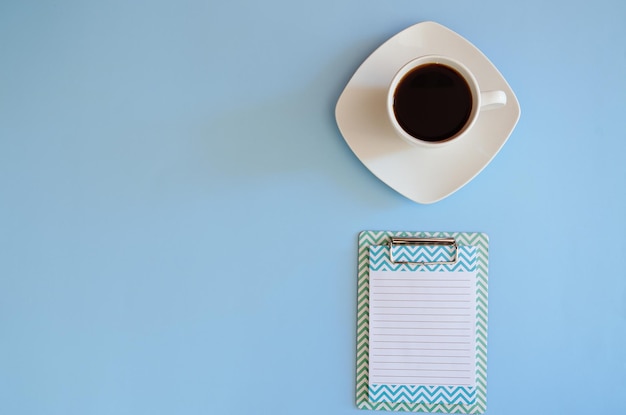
x: 422, y: 321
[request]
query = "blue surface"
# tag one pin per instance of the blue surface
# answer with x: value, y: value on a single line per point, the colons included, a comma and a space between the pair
x: 179, y: 213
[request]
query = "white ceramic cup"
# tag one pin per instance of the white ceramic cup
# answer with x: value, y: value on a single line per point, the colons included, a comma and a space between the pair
x: 481, y: 100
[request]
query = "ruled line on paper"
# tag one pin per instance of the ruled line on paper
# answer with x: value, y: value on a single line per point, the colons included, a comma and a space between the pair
x: 422, y: 328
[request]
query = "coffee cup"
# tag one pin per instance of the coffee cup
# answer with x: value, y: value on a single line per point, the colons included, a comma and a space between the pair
x: 434, y: 100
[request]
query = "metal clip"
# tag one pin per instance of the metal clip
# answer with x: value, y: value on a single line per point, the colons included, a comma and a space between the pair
x: 423, y: 241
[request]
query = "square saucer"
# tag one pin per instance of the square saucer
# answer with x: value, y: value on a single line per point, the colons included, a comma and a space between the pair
x: 424, y: 175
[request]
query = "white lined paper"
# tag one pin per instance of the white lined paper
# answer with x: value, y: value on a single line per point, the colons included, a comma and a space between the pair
x: 422, y: 328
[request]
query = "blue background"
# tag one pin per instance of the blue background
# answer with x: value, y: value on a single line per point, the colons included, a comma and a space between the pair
x: 179, y: 212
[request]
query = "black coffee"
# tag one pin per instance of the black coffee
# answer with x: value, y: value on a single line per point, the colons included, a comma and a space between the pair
x: 432, y: 102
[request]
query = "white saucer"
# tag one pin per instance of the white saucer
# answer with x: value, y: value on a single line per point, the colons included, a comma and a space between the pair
x: 424, y: 175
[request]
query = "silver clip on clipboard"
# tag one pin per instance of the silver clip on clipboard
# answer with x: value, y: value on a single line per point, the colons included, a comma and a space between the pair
x: 405, y: 241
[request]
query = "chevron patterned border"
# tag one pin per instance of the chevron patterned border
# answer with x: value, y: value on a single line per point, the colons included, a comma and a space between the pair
x: 430, y: 394
x: 367, y: 238
x: 380, y: 258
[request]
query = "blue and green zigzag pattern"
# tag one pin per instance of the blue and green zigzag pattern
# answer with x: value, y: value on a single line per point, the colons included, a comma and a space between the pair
x: 368, y: 238
x: 417, y: 393
x: 380, y: 259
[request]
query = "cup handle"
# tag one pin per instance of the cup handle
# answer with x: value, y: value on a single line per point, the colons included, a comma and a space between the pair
x: 490, y: 100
